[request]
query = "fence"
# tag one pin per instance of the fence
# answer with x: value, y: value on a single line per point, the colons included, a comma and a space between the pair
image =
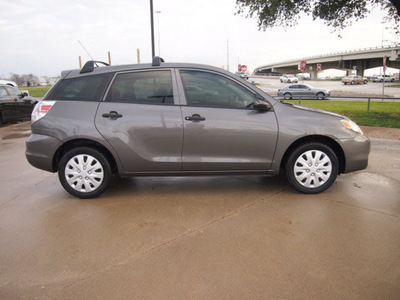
x: 366, y: 97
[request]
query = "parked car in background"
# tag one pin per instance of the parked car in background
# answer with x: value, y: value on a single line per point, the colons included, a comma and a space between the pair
x: 304, y: 91
x: 354, y: 79
x: 8, y: 82
x: 289, y: 78
x: 183, y: 119
x: 242, y: 75
x: 14, y: 104
x: 381, y: 78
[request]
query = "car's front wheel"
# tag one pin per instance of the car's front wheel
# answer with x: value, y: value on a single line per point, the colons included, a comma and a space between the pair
x: 320, y: 96
x: 312, y: 168
x: 84, y: 172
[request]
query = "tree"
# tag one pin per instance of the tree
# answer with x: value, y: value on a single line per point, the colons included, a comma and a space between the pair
x: 337, y: 14
x: 25, y: 79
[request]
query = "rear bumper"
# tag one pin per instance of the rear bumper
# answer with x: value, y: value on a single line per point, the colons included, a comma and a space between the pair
x: 40, y: 150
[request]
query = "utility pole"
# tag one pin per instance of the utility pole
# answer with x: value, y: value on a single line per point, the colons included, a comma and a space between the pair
x: 138, y: 55
x: 109, y: 58
x: 227, y: 55
x: 152, y: 30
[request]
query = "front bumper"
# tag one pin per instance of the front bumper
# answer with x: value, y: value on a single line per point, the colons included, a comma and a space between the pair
x: 356, y: 152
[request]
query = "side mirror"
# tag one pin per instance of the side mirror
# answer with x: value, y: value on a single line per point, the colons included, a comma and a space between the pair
x: 261, y: 105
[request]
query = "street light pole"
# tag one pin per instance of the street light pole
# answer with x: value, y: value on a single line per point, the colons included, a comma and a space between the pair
x: 158, y: 12
x: 152, y: 29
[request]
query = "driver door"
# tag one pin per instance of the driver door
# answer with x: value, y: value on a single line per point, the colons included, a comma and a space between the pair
x: 222, y: 130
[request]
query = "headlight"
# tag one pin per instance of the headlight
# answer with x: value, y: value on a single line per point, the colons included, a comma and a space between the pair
x: 351, y: 125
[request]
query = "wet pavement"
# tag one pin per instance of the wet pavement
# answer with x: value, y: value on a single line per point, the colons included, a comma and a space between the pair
x: 230, y: 237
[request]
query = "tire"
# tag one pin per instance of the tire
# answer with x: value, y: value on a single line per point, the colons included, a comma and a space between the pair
x: 311, y: 168
x: 345, y: 83
x: 84, y: 172
x: 365, y: 81
x: 287, y: 96
x: 320, y: 96
x: 353, y: 82
x: 281, y: 80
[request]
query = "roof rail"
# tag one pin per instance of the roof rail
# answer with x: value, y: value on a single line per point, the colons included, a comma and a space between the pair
x: 157, y: 61
x: 90, y: 65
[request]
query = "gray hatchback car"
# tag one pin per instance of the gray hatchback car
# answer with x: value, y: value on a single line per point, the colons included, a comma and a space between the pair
x: 183, y: 119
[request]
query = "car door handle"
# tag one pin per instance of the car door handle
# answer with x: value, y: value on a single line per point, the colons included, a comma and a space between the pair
x: 112, y: 115
x: 196, y: 118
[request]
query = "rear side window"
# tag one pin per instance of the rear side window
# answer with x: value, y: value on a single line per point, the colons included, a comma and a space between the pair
x: 87, y: 88
x: 147, y: 87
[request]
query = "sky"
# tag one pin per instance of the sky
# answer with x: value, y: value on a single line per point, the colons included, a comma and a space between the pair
x: 41, y: 37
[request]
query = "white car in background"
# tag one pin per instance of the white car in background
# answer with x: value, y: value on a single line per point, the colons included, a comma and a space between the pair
x: 8, y: 82
x: 289, y: 78
x: 381, y: 78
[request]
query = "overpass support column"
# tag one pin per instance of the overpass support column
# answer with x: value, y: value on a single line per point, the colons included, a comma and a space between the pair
x: 313, y: 72
x: 361, y: 67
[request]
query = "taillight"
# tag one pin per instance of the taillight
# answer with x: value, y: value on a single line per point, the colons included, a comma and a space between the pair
x: 41, y: 109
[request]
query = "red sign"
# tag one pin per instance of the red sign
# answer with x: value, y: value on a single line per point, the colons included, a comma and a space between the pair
x: 319, y: 67
x: 239, y: 68
x: 303, y: 65
x: 244, y: 68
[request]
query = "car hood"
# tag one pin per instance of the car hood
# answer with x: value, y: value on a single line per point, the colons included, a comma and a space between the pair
x: 321, y: 111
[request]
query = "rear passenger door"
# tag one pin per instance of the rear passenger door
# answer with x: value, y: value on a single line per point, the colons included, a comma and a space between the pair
x: 140, y: 121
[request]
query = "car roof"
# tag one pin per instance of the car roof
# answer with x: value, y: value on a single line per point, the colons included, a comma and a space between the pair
x: 131, y: 67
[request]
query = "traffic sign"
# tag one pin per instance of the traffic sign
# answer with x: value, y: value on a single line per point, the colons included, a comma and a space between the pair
x: 239, y: 67
x: 303, y: 65
x: 244, y: 68
x: 319, y: 67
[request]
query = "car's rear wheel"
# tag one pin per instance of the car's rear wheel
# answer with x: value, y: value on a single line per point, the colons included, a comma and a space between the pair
x: 353, y: 82
x: 312, y: 168
x: 365, y: 81
x: 84, y: 172
x: 320, y: 96
x: 287, y: 96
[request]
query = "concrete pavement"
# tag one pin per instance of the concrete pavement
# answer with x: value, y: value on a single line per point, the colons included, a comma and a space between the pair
x: 231, y: 237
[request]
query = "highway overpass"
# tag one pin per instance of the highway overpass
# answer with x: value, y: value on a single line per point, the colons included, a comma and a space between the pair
x: 359, y: 60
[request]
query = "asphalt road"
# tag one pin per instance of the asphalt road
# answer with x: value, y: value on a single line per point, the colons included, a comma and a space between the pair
x: 231, y: 237
x: 337, y: 88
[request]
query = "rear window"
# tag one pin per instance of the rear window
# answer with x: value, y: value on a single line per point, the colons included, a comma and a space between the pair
x: 146, y: 87
x: 87, y: 88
